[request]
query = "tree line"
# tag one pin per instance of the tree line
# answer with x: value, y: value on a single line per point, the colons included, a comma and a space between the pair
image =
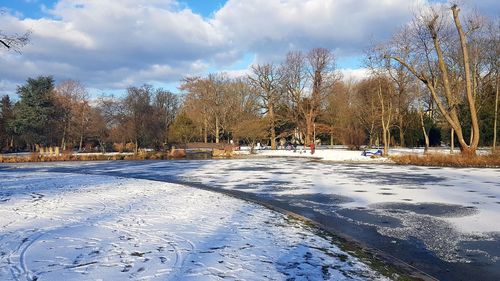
x: 434, y: 82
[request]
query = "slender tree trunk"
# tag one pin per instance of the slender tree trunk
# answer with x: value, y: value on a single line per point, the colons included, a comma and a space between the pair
x: 82, y: 128
x: 217, y: 129
x: 385, y: 122
x: 272, y: 125
x: 426, y: 136
x: 401, y: 131
x: 63, y: 139
x: 205, y: 130
x: 452, y: 140
x: 309, y: 128
x: 81, y: 143
x: 496, y: 115
x: 331, y: 137
x: 468, y: 85
x: 372, y: 128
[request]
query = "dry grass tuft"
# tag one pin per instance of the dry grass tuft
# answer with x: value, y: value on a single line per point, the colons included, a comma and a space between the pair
x: 445, y: 160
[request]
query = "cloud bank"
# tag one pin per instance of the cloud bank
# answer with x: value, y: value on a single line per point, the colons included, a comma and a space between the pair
x: 114, y: 44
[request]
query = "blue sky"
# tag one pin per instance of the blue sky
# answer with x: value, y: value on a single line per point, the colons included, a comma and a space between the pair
x: 109, y: 45
x: 35, y: 8
x: 28, y: 8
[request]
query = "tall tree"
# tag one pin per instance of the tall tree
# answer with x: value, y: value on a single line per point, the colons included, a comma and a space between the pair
x: 138, y: 109
x: 307, y: 80
x: 73, y: 102
x: 430, y: 29
x: 265, y: 81
x: 165, y: 107
x: 35, y: 113
x: 6, y: 118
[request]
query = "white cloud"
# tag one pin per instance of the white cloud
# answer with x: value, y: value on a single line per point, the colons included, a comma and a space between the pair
x: 111, y: 44
x: 354, y: 74
x: 274, y: 27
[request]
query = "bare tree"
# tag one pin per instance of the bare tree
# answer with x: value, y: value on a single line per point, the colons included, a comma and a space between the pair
x: 265, y: 82
x: 138, y: 109
x: 294, y: 81
x: 165, y: 107
x: 447, y: 100
x: 74, y: 102
x: 307, y: 80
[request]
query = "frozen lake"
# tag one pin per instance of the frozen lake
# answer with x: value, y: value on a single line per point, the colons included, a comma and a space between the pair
x: 443, y: 221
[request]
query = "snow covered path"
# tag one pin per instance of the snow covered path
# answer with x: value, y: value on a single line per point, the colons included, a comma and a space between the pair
x: 64, y: 226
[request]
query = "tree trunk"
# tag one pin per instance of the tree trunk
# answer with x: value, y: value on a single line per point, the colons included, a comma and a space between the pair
x: 496, y: 115
x: 63, y: 141
x: 205, y: 130
x: 452, y: 140
x: 309, y: 129
x: 331, y: 137
x: 426, y: 136
x: 468, y: 85
x: 401, y: 131
x: 385, y: 123
x: 81, y: 143
x: 272, y: 125
x: 217, y: 129
x: 385, y: 139
x: 372, y: 128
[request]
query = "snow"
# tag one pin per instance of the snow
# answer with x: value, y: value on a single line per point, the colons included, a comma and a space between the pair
x: 337, y: 155
x: 64, y: 226
x: 447, y: 210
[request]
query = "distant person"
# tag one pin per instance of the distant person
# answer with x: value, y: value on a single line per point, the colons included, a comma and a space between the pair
x: 313, y: 148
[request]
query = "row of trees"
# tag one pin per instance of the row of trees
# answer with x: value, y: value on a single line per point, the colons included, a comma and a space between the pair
x: 64, y: 116
x: 436, y: 80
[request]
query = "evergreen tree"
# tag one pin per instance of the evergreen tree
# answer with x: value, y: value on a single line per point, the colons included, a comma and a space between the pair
x: 6, y: 116
x: 36, y: 113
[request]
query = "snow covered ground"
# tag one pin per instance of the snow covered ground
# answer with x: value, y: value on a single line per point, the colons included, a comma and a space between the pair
x: 337, y: 155
x: 342, y: 154
x: 66, y: 226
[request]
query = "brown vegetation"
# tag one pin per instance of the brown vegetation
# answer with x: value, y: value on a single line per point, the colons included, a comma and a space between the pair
x: 36, y: 157
x: 447, y: 160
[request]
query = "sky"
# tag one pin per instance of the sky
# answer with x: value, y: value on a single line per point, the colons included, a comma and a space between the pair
x: 110, y: 45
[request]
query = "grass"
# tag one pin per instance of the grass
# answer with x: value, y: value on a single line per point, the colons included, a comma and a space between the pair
x: 36, y: 157
x: 446, y: 160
